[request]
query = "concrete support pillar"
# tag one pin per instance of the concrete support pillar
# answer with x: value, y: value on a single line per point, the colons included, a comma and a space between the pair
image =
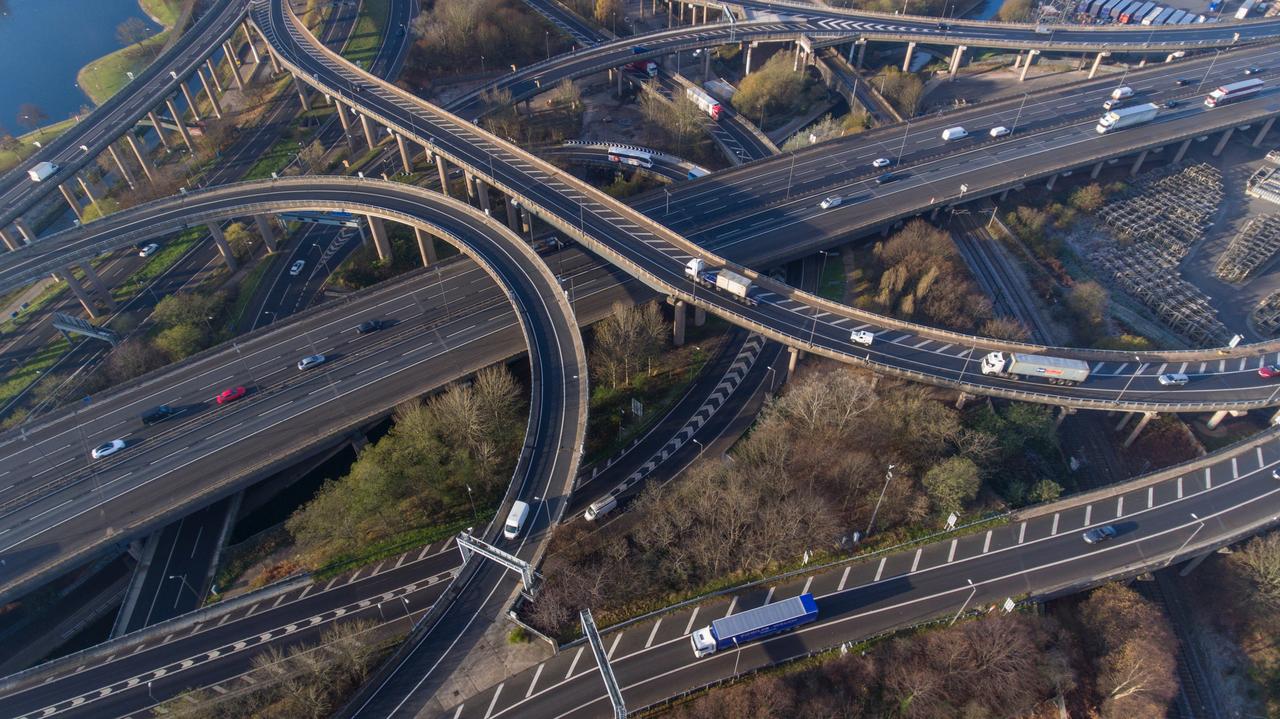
x: 302, y: 93
x: 1143, y: 62
x: 1097, y: 169
x: 1195, y: 562
x: 469, y: 180
x: 28, y: 234
x: 679, y: 324
x: 1222, y: 144
x: 962, y: 399
x: 143, y: 161
x: 1063, y: 413
x: 182, y: 126
x: 1097, y: 62
x: 78, y: 291
x: 275, y: 62
x: 71, y: 201
x: 699, y: 317
x: 1182, y: 150
x: 155, y: 122
x: 512, y: 222
x: 191, y: 103
x: 1017, y: 61
x: 233, y: 62
x: 380, y: 243
x: 1266, y: 127
x: 345, y: 119
x: 213, y: 75
x: 404, y: 154
x: 706, y: 64
x: 1031, y: 58
x: 215, y: 231
x: 1137, y: 429
x: 1216, y: 419
x: 88, y: 190
x: 8, y: 239
x: 1052, y: 179
x: 957, y: 58
x: 253, y: 49
x: 213, y: 97
x: 862, y: 52
x: 442, y: 168
x: 124, y: 171
x: 681, y: 13
x: 526, y: 217
x: 96, y: 283
x: 1004, y: 195
x: 1124, y: 419
x: 426, y: 246
x: 368, y: 132
x: 618, y: 74
x: 906, y: 61
x: 1137, y: 164
x: 267, y: 231
x: 793, y: 356
x: 482, y: 191
x: 748, y: 68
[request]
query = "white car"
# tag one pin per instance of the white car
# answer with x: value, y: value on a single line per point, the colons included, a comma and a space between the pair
x: 108, y: 449
x: 999, y: 131
x: 310, y: 361
x: 833, y: 201
x: 1173, y: 379
x: 149, y: 250
x: 296, y: 268
x: 862, y: 337
x: 881, y: 162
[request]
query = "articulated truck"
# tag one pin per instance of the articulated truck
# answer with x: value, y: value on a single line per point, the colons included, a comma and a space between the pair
x: 726, y: 281
x: 738, y: 629
x: 1057, y: 370
x: 1123, y: 117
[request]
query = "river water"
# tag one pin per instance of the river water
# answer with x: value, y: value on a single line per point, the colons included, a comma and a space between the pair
x: 44, y: 43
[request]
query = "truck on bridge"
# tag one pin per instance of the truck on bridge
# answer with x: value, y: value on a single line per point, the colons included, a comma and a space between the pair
x: 705, y: 102
x: 1123, y: 117
x: 1058, y: 370
x: 726, y: 281
x: 42, y: 171
x: 738, y: 629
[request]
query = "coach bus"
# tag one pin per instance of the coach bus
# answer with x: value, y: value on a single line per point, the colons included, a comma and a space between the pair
x: 627, y: 156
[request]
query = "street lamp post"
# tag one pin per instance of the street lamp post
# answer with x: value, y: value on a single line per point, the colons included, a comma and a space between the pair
x: 1019, y: 115
x: 701, y: 447
x: 903, y: 147
x: 474, y: 516
x: 973, y: 589
x: 1138, y: 361
x: 1199, y: 527
x: 1208, y: 70
x: 185, y: 583
x: 888, y: 476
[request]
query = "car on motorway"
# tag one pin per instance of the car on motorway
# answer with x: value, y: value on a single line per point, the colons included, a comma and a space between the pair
x: 1269, y: 371
x: 1253, y: 70
x: 1183, y: 81
x: 833, y: 201
x: 310, y: 361
x: 107, y: 449
x: 365, y: 328
x: 159, y: 413
x: 149, y: 250
x: 862, y: 337
x: 1112, y: 104
x: 886, y: 178
x: 1173, y: 379
x: 999, y: 131
x: 296, y: 268
x: 881, y: 162
x: 230, y: 394
x: 1099, y: 534
x: 1170, y: 104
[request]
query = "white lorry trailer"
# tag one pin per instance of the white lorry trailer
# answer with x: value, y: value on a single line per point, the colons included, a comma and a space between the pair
x: 1123, y: 117
x: 42, y: 171
x: 726, y: 281
x: 1057, y: 370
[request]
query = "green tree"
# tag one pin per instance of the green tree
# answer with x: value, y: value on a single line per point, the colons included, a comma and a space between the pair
x: 773, y: 91
x: 1090, y: 303
x: 1088, y: 198
x: 952, y: 483
x: 181, y: 341
x: 188, y: 308
x: 1016, y: 11
x: 241, y: 239
x: 1046, y: 490
x: 99, y: 209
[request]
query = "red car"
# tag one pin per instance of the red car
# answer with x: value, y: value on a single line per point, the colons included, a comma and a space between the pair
x: 230, y: 395
x: 1269, y: 371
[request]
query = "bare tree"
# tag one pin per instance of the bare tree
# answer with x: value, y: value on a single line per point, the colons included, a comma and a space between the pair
x: 626, y: 339
x: 32, y: 116
x: 132, y: 31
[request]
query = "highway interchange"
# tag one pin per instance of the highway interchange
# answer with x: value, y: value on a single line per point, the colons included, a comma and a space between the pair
x: 784, y: 317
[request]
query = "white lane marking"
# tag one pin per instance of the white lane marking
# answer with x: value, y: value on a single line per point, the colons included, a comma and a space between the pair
x: 493, y: 702
x: 653, y: 633
x: 845, y: 577
x: 1088, y: 513
x: 733, y: 603
x: 1022, y: 532
x: 459, y: 712
x: 689, y: 627
x: 1054, y: 530
x: 1151, y: 497
x: 534, y: 683
x: 573, y: 664
x: 915, y: 563
x: 769, y: 597
x: 807, y: 583
x: 1120, y: 506
x: 1261, y: 463
x: 614, y: 646
x: 986, y: 543
x: 1179, y: 487
x: 951, y: 553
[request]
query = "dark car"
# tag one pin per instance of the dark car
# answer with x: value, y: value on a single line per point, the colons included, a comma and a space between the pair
x: 371, y: 326
x: 1183, y: 81
x: 886, y: 178
x: 158, y: 413
x: 1253, y: 70
x: 1099, y: 534
x: 1170, y: 104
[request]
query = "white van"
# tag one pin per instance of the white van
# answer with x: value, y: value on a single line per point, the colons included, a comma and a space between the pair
x: 1120, y: 93
x: 515, y: 520
x: 601, y: 507
x: 954, y: 133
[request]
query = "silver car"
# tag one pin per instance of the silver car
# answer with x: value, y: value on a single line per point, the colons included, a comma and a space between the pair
x: 310, y: 361
x: 107, y: 449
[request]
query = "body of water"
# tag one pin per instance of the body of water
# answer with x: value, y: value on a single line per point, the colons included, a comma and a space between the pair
x: 44, y: 43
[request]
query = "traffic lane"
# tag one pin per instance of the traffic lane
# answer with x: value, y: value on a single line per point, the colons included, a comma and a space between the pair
x: 224, y: 652
x: 174, y: 582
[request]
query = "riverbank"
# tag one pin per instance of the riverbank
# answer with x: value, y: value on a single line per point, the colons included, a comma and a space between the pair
x: 104, y: 77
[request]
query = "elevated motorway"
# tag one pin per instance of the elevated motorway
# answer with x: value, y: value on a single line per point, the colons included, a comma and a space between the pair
x: 66, y: 508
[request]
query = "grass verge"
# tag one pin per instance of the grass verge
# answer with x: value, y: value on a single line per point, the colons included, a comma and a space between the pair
x: 104, y: 77
x: 20, y: 377
x: 165, y: 12
x: 26, y: 143
x: 47, y: 295
x: 248, y: 288
x: 275, y: 158
x: 159, y: 263
x: 366, y: 36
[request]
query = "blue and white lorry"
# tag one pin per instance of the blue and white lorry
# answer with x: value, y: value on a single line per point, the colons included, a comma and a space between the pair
x: 738, y: 629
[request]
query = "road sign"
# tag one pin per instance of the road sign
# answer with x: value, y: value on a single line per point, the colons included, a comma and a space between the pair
x: 637, y: 407
x: 951, y: 520
x: 1009, y: 605
x: 338, y: 219
x: 75, y: 325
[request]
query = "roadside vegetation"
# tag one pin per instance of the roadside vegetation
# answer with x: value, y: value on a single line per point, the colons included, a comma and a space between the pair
x: 911, y: 7
x: 903, y: 90
x: 1110, y: 657
x: 558, y: 116
x: 451, y: 36
x: 775, y: 93
x: 367, y: 35
x: 676, y: 127
x: 828, y: 128
x: 814, y: 463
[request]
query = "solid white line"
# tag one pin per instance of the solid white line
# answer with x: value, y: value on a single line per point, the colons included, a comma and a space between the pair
x: 807, y: 583
x: 653, y: 633
x: 534, y: 683
x: 845, y: 577
x: 1022, y: 532
x: 1151, y: 496
x: 1054, y: 530
x: 986, y: 543
x: 732, y: 604
x: 494, y: 701
x: 1179, y: 487
x: 916, y: 562
x: 617, y: 638
x: 1088, y: 513
x: 459, y: 712
x: 880, y: 569
x: 769, y: 597
x: 1120, y: 506
x: 689, y: 627
x: 951, y: 553
x: 574, y: 663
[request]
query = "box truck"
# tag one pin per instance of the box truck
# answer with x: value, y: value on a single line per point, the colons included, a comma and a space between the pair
x: 1123, y: 117
x: 738, y: 629
x: 1057, y: 370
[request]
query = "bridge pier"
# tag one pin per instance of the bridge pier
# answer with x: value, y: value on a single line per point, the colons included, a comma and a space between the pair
x: 1222, y: 144
x: 1220, y: 415
x: 213, y: 75
x: 378, y: 229
x: 906, y: 62
x: 368, y: 132
x: 1031, y: 58
x: 748, y: 67
x: 699, y: 317
x: 233, y: 62
x: 482, y: 191
x: 88, y: 191
x: 678, y: 325
x: 1097, y: 170
x: 1266, y: 127
x: 1182, y: 150
x: 7, y: 238
x: 404, y: 154
x: 426, y: 246
x: 962, y: 399
x: 1137, y: 164
x: 220, y: 240
x: 1195, y: 562
x: 793, y: 356
x: 469, y: 180
x: 253, y: 49
x: 345, y: 119
x: 512, y: 221
x: 155, y: 123
x: 191, y: 103
x: 302, y: 92
x: 28, y: 234
x: 263, y: 222
x: 99, y: 288
x: 71, y: 201
x: 1052, y: 179
x: 177, y: 121
x: 208, y: 90
x: 527, y: 218
x: 1063, y: 413
x: 124, y: 171
x: 706, y: 65
x: 141, y: 156
x: 82, y: 296
x: 957, y: 58
x: 1137, y: 429
x: 441, y: 167
x: 862, y: 51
